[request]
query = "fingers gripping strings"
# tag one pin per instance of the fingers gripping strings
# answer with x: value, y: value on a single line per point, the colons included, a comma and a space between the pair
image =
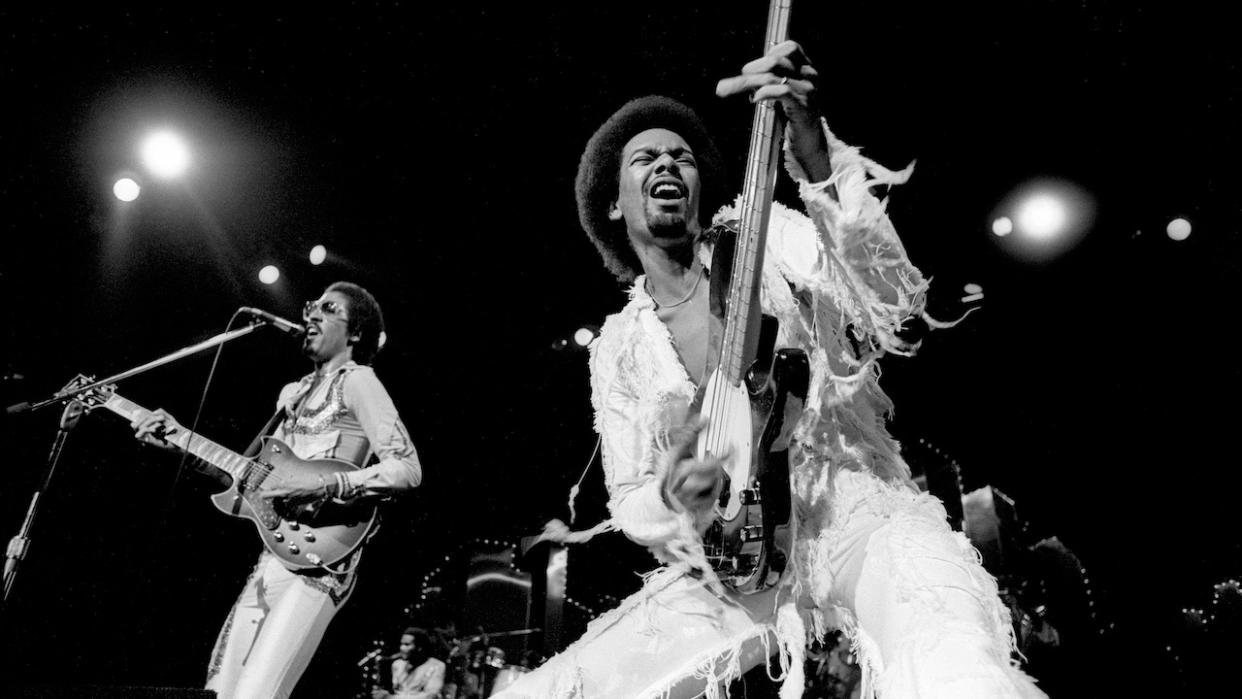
x: 719, y: 414
x: 720, y: 410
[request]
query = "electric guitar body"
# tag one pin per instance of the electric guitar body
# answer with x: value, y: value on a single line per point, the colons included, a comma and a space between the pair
x: 314, y: 536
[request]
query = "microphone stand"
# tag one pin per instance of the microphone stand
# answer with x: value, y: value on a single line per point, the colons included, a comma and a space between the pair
x: 73, y: 390
x: 20, y: 544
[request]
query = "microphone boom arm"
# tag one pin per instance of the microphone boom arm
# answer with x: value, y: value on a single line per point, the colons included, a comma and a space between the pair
x: 68, y: 393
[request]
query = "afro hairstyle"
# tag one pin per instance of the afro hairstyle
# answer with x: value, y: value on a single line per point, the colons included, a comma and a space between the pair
x: 366, y: 320
x: 598, y: 171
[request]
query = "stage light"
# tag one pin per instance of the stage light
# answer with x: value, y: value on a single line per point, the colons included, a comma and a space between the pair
x: 973, y: 292
x: 1178, y: 229
x: 126, y: 189
x: 580, y: 339
x: 583, y: 336
x: 318, y: 254
x: 1042, y: 216
x: 269, y: 274
x: 1046, y: 217
x: 165, y: 154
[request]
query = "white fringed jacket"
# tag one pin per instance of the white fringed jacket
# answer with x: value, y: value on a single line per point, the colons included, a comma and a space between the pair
x: 841, y: 286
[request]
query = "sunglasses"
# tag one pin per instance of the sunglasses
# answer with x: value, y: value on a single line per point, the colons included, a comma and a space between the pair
x: 325, y: 308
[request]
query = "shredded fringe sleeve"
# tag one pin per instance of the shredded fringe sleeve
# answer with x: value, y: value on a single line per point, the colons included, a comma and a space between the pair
x: 839, y: 281
x: 624, y: 421
x: 862, y: 263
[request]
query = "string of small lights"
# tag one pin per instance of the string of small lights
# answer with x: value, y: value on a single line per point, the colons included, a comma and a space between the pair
x: 1094, y: 611
x: 1226, y: 597
x: 432, y: 582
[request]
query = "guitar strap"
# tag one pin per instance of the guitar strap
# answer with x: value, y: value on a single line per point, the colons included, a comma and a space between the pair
x: 257, y: 443
x: 723, y: 239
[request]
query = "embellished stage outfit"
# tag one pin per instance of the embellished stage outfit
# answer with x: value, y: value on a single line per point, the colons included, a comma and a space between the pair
x: 871, y: 555
x: 277, y: 622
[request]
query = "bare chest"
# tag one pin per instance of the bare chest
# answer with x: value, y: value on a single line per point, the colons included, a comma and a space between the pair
x: 690, y: 327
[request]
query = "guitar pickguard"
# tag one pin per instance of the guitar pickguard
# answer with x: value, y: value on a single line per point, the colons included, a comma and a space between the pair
x: 749, y: 549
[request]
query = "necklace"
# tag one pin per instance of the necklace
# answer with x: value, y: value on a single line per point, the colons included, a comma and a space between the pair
x: 684, y: 299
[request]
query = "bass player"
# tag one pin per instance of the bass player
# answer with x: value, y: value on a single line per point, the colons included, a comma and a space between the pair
x: 869, y: 554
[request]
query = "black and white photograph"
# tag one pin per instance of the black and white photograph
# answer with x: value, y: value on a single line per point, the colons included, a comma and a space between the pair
x: 616, y: 350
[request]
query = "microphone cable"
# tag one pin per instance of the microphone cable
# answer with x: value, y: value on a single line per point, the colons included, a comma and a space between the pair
x: 198, y: 414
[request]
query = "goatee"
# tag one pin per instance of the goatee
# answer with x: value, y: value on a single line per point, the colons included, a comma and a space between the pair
x: 667, y: 227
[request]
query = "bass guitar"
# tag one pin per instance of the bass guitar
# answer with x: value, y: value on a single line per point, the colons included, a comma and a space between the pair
x: 747, y: 391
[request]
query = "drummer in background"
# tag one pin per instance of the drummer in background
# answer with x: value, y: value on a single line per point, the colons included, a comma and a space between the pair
x: 415, y: 673
x: 453, y: 649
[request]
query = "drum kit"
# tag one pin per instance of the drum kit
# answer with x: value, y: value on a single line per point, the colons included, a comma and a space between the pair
x: 477, y: 669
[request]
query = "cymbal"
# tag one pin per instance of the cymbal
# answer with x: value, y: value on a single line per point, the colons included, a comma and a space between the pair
x: 517, y: 632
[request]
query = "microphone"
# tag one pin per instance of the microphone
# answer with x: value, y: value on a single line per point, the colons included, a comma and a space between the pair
x: 274, y: 320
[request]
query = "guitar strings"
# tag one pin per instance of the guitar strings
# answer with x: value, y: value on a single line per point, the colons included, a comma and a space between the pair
x: 251, y: 472
x: 721, y: 409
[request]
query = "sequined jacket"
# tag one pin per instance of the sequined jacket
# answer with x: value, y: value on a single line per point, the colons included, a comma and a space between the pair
x: 350, y: 416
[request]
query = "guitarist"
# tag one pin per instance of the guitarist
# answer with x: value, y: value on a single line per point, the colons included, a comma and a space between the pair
x: 340, y: 411
x: 870, y: 554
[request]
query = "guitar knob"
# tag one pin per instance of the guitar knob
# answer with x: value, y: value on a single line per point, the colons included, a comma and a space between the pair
x: 275, y: 449
x: 314, y: 558
x: 293, y: 526
x: 293, y: 548
x: 278, y: 536
x: 309, y: 536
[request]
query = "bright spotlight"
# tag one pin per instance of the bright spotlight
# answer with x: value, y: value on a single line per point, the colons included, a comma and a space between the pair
x: 1046, y: 218
x: 165, y: 154
x: 126, y: 189
x: 579, y: 340
x: 318, y: 254
x: 1002, y: 226
x: 1178, y: 229
x: 1042, y: 216
x: 269, y: 274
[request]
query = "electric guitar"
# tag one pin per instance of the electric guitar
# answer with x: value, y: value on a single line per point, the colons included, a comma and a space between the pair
x: 303, y: 536
x: 747, y: 391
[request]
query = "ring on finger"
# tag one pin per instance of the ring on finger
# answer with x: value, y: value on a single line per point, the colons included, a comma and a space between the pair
x: 784, y: 80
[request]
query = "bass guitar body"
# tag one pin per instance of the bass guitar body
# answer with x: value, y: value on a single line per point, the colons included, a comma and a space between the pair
x: 749, y: 541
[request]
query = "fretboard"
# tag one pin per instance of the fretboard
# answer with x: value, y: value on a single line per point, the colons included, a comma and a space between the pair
x: 741, y: 332
x: 222, y: 458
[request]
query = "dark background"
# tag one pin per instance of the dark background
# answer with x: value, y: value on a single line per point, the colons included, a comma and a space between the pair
x: 432, y: 150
